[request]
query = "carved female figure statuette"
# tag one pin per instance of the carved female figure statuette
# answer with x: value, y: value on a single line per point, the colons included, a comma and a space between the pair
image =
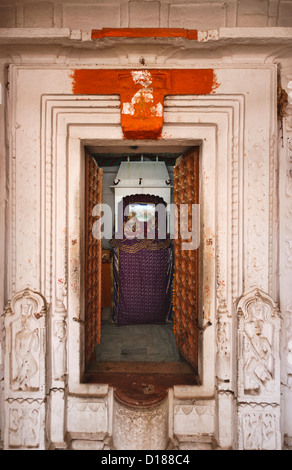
x: 25, y: 329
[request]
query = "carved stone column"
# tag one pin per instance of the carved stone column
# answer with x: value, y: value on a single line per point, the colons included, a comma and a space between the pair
x: 258, y: 394
x: 225, y: 393
x: 25, y: 369
x: 57, y: 396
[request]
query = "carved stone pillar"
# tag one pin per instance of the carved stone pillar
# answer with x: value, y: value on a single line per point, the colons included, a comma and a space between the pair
x: 57, y: 397
x: 25, y: 369
x: 59, y: 341
x: 225, y: 394
x: 258, y: 394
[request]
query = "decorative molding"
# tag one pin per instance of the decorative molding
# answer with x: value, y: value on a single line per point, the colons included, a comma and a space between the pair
x: 217, y: 121
x: 87, y: 417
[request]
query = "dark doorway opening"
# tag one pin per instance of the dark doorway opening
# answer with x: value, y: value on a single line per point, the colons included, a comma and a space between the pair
x: 140, y: 361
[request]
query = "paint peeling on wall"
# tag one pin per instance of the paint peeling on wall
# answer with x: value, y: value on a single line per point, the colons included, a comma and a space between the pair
x: 142, y: 93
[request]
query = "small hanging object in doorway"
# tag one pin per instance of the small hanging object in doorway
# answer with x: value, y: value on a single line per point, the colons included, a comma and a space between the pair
x: 140, y: 180
x: 167, y: 181
x: 116, y: 182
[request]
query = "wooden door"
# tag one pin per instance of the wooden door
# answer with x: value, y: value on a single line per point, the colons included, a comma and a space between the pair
x: 93, y: 256
x: 186, y: 191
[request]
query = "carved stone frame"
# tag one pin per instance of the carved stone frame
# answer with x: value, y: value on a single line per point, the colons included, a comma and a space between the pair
x: 219, y: 117
x: 223, y: 125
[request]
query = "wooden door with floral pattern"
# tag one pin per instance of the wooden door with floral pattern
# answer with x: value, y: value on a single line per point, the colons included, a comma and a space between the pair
x: 186, y: 302
x: 93, y: 256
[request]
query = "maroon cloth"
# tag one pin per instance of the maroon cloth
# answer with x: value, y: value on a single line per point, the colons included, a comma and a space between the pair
x: 143, y: 286
x: 142, y: 275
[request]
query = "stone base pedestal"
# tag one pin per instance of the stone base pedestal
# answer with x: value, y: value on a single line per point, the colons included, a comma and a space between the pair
x: 140, y: 427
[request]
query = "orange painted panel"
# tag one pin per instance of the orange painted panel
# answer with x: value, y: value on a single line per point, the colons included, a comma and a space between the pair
x: 144, y: 33
x: 142, y: 93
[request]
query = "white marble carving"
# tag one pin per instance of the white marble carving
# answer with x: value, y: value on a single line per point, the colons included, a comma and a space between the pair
x: 25, y: 356
x: 87, y: 417
x: 223, y: 336
x: 221, y: 122
x: 140, y: 428
x: 25, y: 423
x: 258, y: 371
x: 25, y: 331
x: 258, y: 427
x: 195, y: 418
x: 59, y: 339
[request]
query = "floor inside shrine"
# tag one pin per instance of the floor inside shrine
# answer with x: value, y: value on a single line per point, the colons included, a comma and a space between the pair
x: 141, y: 362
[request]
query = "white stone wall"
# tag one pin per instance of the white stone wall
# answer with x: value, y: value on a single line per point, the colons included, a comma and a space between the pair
x: 285, y: 269
x: 197, y: 14
x: 253, y: 223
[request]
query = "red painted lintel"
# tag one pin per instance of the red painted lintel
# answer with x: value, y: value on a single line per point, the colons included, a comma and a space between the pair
x: 144, y: 33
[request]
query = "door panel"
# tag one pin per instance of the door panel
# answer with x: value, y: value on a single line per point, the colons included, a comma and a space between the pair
x: 93, y: 257
x: 186, y: 191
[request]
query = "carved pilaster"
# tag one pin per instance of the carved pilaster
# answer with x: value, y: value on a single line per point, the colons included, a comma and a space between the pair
x: 224, y: 382
x: 258, y: 334
x: 259, y: 426
x: 59, y: 342
x: 57, y: 400
x: 25, y: 370
x: 223, y: 356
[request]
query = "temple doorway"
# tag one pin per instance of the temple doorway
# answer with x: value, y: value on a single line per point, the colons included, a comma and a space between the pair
x: 142, y: 297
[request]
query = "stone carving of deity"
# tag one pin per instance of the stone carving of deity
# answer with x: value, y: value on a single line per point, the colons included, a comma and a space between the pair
x: 258, y: 355
x: 26, y: 344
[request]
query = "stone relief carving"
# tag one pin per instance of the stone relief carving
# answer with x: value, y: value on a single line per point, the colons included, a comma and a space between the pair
x: 23, y: 427
x: 258, y: 427
x: 258, y: 203
x: 258, y: 360
x: 258, y: 371
x: 258, y: 338
x: 25, y: 322
x: 223, y: 343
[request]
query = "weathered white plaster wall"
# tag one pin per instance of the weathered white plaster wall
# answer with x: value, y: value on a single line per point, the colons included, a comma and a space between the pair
x: 198, y: 14
x: 253, y: 161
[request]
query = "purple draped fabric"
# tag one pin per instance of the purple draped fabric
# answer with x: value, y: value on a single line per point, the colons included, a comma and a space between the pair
x: 142, y: 278
x: 142, y: 286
